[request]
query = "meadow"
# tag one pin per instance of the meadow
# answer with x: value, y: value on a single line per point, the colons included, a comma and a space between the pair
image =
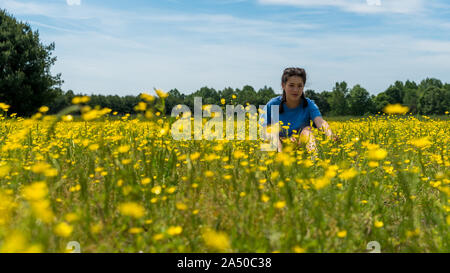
x: 122, y: 184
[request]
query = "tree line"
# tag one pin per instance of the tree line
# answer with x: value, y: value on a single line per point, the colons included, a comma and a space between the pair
x: 429, y: 97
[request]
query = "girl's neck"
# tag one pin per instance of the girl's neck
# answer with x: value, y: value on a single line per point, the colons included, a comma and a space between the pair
x: 293, y: 104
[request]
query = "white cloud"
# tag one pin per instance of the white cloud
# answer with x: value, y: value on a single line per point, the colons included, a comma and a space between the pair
x: 374, y: 2
x: 73, y: 2
x: 127, y: 52
x: 357, y: 6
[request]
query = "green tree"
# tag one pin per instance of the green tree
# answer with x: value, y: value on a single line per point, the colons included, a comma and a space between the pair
x: 264, y: 95
x: 338, y: 99
x: 247, y: 94
x: 434, y: 100
x: 25, y: 79
x: 395, y: 93
x: 359, y: 101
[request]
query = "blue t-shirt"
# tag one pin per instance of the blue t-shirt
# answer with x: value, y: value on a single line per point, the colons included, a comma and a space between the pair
x: 298, y: 117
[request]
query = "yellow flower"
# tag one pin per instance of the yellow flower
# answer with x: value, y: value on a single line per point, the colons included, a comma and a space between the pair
x: 40, y: 167
x: 280, y: 204
x: 412, y: 233
x: 135, y: 230
x: 42, y: 210
x: 145, y: 181
x: 4, y: 170
x: 378, y: 224
x: 123, y: 149
x: 156, y: 190
x: 4, y: 106
x: 227, y: 176
x: 147, y: 97
x: 16, y: 242
x: 421, y: 142
x: 209, y: 173
x: 298, y: 249
x: 71, y: 217
x: 265, y: 198
x: 43, y: 109
x: 63, y: 229
x: 234, y: 97
x: 274, y: 175
x: 171, y: 190
x: 78, y: 100
x: 342, y: 233
x: 161, y: 93
x: 320, y: 183
x: 174, y: 230
x: 158, y: 236
x: 238, y: 154
x: 96, y: 228
x: 373, y: 164
x: 142, y: 106
x: 94, y: 147
x: 331, y: 171
x: 216, y: 240
x: 181, y: 206
x: 396, y: 109
x: 194, y: 156
x: 132, y: 209
x: 35, y: 191
x: 348, y: 174
x: 377, y: 154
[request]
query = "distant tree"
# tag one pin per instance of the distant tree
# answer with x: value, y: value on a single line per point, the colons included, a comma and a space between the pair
x: 410, y: 99
x: 359, y: 101
x: 264, y: 95
x: 25, y: 79
x: 320, y: 99
x: 381, y: 101
x: 434, y: 100
x: 338, y: 99
x: 424, y: 84
x: 174, y: 98
x: 247, y: 95
x: 395, y: 93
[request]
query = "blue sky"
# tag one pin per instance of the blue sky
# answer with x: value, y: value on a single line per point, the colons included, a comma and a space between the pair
x: 128, y: 47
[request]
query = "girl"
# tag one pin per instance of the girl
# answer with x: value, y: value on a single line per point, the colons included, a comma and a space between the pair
x: 296, y: 111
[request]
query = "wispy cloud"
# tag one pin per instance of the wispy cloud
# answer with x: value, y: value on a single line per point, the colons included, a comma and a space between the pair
x: 73, y: 2
x: 103, y: 49
x: 357, y: 6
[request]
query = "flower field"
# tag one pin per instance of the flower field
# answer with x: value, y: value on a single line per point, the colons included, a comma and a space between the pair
x: 123, y: 184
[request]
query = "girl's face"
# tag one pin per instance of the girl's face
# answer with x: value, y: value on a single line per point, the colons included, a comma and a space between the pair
x: 294, y: 88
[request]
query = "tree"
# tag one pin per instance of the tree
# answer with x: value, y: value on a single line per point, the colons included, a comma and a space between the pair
x: 434, y: 100
x: 359, y: 101
x: 320, y: 99
x: 25, y: 79
x: 410, y: 99
x: 247, y: 94
x: 395, y: 93
x: 264, y: 95
x: 338, y: 99
x: 430, y: 82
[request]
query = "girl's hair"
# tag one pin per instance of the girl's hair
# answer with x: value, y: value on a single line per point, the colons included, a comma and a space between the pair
x: 287, y: 73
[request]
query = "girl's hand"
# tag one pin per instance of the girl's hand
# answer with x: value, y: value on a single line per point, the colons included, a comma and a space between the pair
x: 336, y: 138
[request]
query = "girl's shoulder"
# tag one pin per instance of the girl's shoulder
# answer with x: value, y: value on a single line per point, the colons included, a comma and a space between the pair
x: 275, y: 101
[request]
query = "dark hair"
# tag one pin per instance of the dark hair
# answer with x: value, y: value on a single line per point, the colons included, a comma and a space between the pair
x: 287, y: 73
